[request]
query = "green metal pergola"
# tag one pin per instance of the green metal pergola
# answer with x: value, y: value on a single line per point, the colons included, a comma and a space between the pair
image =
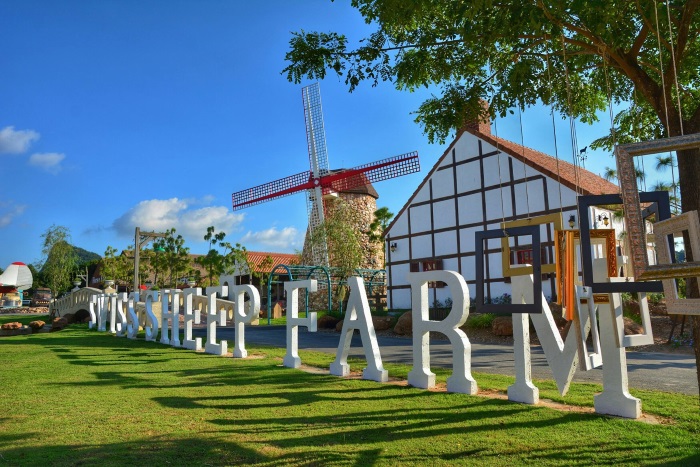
x: 327, y: 278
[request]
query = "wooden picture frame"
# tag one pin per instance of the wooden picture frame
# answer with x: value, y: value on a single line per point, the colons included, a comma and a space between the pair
x: 508, y: 269
x: 625, y: 155
x: 567, y: 263
x: 689, y: 221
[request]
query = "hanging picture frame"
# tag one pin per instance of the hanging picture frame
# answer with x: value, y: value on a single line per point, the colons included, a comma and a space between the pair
x: 631, y: 198
x: 662, y: 211
x: 687, y: 221
x: 567, y: 276
x: 508, y: 269
x: 507, y: 309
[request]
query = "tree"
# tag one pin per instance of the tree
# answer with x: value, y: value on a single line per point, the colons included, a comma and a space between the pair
x: 573, y: 56
x: 375, y: 234
x: 169, y: 261
x: 117, y: 267
x: 58, y: 259
x: 382, y: 219
x: 213, y: 260
x: 109, y: 263
x: 263, y: 275
x: 177, y: 258
x: 221, y: 262
x: 610, y: 174
x: 342, y: 234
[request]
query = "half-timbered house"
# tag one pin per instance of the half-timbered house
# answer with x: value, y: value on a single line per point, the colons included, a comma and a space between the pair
x: 479, y: 182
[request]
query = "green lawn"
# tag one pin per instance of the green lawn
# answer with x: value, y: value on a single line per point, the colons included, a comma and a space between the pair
x: 79, y: 397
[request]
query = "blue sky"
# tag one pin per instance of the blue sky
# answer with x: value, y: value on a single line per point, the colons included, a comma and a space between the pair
x: 118, y: 113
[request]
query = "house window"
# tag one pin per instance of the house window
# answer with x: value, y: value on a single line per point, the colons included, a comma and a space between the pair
x: 524, y: 257
x: 428, y: 265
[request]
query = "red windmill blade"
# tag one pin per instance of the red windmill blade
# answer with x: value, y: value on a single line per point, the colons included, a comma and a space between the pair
x: 339, y: 181
x: 272, y: 190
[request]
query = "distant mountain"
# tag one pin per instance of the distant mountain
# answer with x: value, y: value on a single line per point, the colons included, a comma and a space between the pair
x: 85, y: 256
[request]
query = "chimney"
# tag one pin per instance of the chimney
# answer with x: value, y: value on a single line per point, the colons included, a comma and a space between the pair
x: 482, y: 124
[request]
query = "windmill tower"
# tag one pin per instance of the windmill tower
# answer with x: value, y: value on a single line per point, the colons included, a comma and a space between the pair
x: 320, y: 182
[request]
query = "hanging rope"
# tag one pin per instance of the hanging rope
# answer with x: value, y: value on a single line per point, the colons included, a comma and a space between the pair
x: 663, y: 83
x: 610, y: 106
x: 522, y: 145
x: 661, y: 68
x: 678, y: 95
x: 675, y: 74
x: 572, y: 123
x: 554, y: 129
x: 498, y: 159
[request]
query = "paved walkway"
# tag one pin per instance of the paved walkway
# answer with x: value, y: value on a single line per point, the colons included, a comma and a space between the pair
x: 647, y: 370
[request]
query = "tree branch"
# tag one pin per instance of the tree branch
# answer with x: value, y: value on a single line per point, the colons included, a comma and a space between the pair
x: 639, y: 41
x: 684, y: 28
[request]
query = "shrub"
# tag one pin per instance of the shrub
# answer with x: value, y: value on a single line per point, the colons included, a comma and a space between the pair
x: 504, y: 299
x: 480, y: 320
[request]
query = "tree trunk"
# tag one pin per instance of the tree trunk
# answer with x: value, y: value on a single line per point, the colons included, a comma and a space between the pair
x: 689, y: 180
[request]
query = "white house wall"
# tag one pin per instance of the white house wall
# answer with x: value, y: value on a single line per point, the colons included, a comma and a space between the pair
x: 459, y: 198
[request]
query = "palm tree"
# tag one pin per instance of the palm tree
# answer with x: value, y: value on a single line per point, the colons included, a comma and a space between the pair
x: 663, y: 163
x: 662, y: 186
x: 610, y: 174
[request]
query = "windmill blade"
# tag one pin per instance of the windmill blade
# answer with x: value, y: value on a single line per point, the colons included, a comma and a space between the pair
x: 272, y: 190
x: 371, y: 173
x: 315, y: 132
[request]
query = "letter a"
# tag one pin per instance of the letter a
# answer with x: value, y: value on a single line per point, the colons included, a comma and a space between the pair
x: 358, y: 316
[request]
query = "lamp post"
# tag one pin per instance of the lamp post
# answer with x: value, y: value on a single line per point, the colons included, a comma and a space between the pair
x: 141, y: 239
x: 83, y: 277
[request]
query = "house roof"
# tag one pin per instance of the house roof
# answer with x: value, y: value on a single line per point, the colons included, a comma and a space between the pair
x: 257, y: 258
x: 588, y: 183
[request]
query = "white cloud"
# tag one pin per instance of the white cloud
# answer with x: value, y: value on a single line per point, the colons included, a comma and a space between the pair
x: 48, y: 161
x: 7, y: 216
x: 16, y: 141
x: 286, y: 238
x: 163, y: 214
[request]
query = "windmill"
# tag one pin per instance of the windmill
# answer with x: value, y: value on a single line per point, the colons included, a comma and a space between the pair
x: 320, y: 182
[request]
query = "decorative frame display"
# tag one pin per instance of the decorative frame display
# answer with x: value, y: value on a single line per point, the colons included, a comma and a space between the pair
x: 508, y: 270
x: 479, y: 237
x: 663, y: 211
x: 567, y: 262
x: 625, y: 155
x: 687, y: 221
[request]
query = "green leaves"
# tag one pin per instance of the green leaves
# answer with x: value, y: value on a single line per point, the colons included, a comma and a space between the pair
x: 312, y: 53
x: 59, y: 260
x: 221, y: 262
x: 570, y: 54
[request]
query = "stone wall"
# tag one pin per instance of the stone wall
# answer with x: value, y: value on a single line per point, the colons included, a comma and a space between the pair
x: 363, y: 207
